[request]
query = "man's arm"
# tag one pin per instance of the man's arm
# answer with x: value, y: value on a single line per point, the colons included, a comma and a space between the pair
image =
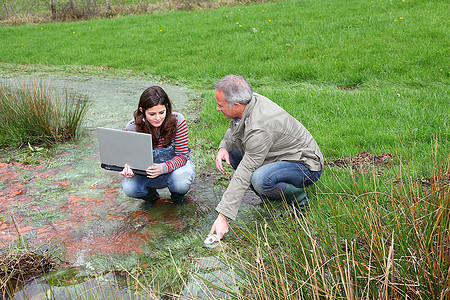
x: 259, y: 145
x: 227, y: 141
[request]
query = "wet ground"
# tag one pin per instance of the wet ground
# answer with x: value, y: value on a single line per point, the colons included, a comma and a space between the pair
x: 70, y: 204
x: 363, y: 159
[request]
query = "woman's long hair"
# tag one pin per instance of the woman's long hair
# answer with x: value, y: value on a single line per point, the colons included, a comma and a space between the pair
x: 153, y: 96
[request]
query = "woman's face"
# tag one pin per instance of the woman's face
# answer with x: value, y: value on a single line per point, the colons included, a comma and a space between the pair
x: 155, y: 115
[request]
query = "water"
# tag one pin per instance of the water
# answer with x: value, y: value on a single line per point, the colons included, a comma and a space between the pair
x: 72, y: 205
x: 108, y: 286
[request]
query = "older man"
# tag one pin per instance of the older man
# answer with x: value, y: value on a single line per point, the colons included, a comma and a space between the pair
x: 269, y: 149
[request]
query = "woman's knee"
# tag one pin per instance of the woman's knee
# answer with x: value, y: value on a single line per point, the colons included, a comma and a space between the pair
x: 132, y: 188
x: 181, y: 179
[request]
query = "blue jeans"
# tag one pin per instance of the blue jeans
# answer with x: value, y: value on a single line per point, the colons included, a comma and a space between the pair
x: 269, y: 181
x: 178, y: 181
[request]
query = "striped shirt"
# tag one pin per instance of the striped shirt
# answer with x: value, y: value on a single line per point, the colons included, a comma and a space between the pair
x: 180, y: 144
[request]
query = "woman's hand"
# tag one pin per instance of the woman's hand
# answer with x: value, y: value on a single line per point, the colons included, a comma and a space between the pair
x: 154, y: 170
x: 127, y: 172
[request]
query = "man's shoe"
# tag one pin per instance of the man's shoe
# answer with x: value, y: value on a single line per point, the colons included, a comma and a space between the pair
x: 297, y: 197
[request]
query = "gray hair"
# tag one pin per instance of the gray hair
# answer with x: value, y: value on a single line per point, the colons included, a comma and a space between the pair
x: 235, y: 89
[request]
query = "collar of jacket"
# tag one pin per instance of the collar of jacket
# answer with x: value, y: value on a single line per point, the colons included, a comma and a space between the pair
x: 247, y: 111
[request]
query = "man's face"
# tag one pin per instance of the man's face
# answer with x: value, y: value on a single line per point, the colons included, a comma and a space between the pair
x: 224, y: 107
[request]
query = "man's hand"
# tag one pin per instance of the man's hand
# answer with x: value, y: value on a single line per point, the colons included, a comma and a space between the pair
x: 220, y: 226
x: 127, y: 172
x: 154, y: 170
x: 222, y: 155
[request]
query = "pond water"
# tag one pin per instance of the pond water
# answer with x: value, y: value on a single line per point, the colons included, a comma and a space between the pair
x: 70, y: 204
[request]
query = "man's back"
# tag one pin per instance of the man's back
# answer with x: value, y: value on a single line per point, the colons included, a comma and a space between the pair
x: 284, y: 136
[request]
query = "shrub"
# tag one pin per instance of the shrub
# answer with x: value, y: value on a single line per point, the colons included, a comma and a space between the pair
x: 19, y: 265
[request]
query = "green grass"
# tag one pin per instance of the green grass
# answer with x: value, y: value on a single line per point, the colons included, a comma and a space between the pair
x: 309, y: 56
x: 370, y: 239
x: 360, y: 43
x: 401, y: 120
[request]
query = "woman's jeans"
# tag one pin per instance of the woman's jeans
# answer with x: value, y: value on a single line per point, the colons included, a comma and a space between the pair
x: 269, y: 181
x: 178, y: 181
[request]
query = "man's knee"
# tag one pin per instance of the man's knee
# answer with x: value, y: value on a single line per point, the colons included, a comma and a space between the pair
x: 261, y: 183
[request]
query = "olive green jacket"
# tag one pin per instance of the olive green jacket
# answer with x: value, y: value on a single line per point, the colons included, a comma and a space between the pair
x: 266, y: 133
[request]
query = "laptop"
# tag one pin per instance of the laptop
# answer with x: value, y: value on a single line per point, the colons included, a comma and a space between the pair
x: 118, y: 147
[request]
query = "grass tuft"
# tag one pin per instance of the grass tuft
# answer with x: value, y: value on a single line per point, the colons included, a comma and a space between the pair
x: 32, y: 114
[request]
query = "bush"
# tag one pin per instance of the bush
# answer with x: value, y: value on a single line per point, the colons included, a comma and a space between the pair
x: 32, y: 114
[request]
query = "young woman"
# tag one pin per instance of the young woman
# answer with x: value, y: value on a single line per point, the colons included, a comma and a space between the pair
x: 172, y: 167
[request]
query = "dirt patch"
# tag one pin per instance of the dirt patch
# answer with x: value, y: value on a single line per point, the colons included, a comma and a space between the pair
x: 362, y: 159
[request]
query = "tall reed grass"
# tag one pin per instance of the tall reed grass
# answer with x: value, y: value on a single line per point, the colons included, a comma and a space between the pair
x: 31, y: 113
x: 369, y: 239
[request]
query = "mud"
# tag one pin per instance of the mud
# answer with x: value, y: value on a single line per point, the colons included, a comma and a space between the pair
x: 363, y: 159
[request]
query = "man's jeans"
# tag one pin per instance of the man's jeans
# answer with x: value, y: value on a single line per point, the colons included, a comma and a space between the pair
x: 269, y: 181
x: 178, y: 181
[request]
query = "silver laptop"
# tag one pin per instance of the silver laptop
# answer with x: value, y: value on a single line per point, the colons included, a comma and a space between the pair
x: 120, y: 147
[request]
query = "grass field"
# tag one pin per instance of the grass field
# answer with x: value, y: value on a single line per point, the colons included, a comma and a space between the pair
x: 363, y: 43
x: 361, y: 76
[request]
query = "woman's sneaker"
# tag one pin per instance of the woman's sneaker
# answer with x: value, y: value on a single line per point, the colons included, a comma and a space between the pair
x: 151, y: 198
x: 178, y: 198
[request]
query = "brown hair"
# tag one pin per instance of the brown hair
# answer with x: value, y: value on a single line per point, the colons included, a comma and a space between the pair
x: 153, y: 96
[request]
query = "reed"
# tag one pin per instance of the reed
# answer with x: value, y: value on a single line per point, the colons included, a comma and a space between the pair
x: 370, y: 239
x: 32, y: 114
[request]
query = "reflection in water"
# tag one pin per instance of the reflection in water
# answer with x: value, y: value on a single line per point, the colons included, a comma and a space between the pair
x: 71, y: 284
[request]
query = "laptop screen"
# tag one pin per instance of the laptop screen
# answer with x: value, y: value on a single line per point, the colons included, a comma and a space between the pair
x: 120, y: 147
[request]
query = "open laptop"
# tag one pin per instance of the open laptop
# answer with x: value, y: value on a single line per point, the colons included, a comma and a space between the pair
x: 118, y: 147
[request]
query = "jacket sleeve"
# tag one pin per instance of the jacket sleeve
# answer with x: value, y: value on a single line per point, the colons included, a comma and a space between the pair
x: 257, y: 145
x: 226, y: 141
x: 181, y: 145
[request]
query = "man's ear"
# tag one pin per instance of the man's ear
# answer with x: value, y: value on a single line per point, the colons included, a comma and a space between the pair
x: 140, y: 109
